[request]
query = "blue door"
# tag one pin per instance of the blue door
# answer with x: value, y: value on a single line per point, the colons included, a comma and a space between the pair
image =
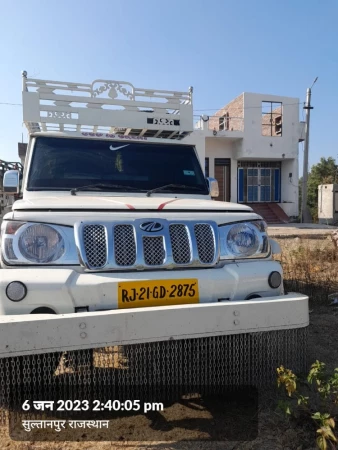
x: 277, y: 183
x: 256, y: 184
x: 265, y: 185
x: 253, y: 193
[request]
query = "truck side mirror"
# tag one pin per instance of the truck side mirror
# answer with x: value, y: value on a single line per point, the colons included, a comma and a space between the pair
x: 213, y: 187
x: 11, y: 182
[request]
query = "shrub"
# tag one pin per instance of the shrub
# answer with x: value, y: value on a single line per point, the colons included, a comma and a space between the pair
x: 314, y: 399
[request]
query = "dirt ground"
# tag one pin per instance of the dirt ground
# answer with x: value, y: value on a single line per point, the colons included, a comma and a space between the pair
x: 274, y: 431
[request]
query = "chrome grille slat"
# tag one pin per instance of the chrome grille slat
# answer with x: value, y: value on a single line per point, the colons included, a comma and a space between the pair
x: 153, y: 250
x: 180, y: 243
x: 124, y: 245
x: 94, y: 239
x: 130, y: 245
x: 205, y: 242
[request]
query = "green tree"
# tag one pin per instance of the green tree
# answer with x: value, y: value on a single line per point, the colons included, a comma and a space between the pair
x: 324, y: 172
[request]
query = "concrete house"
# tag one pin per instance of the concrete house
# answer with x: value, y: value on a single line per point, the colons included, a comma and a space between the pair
x: 251, y: 147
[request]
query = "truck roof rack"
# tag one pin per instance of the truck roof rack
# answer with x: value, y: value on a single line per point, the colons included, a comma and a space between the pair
x: 106, y: 106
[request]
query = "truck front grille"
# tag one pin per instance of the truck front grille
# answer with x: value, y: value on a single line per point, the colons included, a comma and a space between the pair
x: 180, y: 243
x: 205, y: 243
x: 153, y: 250
x: 124, y: 245
x: 131, y: 246
x: 94, y: 240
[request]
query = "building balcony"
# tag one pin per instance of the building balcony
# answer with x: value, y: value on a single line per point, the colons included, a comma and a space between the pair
x: 221, y: 127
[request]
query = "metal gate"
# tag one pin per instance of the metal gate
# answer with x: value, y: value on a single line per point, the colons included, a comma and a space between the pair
x: 258, y: 184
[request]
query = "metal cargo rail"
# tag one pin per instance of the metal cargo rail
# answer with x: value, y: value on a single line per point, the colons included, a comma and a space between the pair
x: 106, y: 108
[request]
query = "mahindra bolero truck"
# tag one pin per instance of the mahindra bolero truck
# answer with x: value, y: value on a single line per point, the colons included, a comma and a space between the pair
x: 117, y: 242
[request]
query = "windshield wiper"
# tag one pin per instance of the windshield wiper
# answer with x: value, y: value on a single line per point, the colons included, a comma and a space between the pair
x: 184, y: 187
x: 103, y: 186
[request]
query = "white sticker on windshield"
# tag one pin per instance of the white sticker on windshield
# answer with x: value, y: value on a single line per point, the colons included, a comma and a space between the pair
x: 189, y: 172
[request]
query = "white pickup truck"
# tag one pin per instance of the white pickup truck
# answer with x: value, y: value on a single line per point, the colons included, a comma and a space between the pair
x: 117, y: 241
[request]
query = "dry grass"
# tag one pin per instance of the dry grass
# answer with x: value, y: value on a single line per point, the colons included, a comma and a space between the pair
x: 310, y: 267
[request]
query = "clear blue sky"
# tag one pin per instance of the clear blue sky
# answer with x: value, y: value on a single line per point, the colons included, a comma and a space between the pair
x: 221, y: 48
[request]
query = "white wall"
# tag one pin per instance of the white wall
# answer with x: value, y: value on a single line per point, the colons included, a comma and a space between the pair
x: 214, y: 147
x: 269, y: 147
x: 289, y: 192
x: 326, y: 203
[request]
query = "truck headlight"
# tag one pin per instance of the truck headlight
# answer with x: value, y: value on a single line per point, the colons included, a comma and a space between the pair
x: 37, y: 243
x: 41, y: 244
x: 244, y: 240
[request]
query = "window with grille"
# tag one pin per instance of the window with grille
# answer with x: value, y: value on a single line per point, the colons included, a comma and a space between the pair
x: 272, y: 118
x: 224, y: 122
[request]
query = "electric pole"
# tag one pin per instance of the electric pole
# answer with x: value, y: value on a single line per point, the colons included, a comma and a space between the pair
x: 305, y: 214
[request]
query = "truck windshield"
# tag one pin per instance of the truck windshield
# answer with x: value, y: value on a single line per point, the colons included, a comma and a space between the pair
x: 62, y: 164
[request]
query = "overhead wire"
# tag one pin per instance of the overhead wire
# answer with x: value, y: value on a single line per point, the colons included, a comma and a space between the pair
x: 11, y: 104
x: 195, y: 110
x: 246, y: 107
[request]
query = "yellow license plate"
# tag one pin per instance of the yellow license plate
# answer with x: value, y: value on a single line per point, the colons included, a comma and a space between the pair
x: 139, y: 294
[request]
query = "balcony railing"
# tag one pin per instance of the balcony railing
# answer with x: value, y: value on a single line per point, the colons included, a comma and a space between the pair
x: 216, y: 123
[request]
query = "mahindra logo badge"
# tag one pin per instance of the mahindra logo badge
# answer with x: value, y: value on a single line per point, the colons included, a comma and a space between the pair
x: 151, y: 227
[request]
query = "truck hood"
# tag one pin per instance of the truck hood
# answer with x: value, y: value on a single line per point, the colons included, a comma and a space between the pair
x: 86, y: 202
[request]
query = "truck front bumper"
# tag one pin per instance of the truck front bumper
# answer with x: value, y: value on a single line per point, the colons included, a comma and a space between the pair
x: 34, y: 334
x: 213, y: 342
x: 64, y: 290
